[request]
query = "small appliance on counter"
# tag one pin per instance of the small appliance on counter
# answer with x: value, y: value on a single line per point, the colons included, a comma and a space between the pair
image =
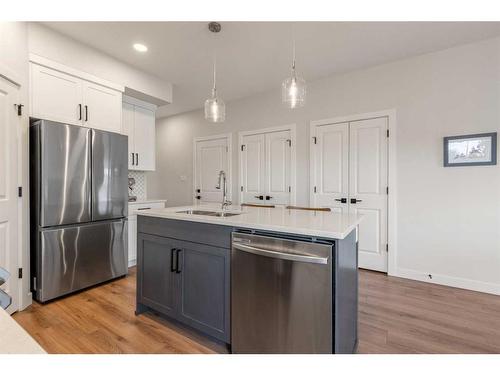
x: 131, y: 184
x: 5, y: 299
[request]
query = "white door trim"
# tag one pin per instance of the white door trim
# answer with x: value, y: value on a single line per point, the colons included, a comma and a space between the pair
x: 293, y: 162
x: 391, y: 171
x: 229, y: 176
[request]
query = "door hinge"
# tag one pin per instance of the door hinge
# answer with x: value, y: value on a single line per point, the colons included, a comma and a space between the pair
x: 20, y: 273
x: 241, y: 189
x: 289, y: 142
x: 315, y: 140
x: 20, y: 191
x: 387, y: 189
x: 387, y: 133
x: 19, y: 109
x: 242, y: 147
x: 387, y: 247
x: 315, y: 189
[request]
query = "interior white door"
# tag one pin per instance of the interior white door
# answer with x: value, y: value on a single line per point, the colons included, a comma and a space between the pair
x: 129, y: 130
x: 55, y: 96
x: 102, y: 107
x: 330, y: 167
x: 144, y: 139
x: 211, y: 158
x: 278, y: 167
x: 253, y: 168
x: 9, y: 123
x: 368, y: 189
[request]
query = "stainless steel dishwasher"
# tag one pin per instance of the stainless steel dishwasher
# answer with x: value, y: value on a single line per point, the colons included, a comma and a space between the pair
x: 281, y: 295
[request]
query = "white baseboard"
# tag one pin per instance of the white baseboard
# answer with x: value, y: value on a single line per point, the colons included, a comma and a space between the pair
x: 457, y: 282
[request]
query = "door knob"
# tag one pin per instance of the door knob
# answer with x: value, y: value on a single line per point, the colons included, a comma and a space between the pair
x: 268, y: 197
x: 354, y: 200
x: 341, y: 200
x: 261, y: 197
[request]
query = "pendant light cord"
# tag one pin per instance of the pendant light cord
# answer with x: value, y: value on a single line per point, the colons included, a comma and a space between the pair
x: 215, y: 73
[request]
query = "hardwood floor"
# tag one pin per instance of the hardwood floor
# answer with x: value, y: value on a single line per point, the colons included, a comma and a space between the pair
x: 395, y: 316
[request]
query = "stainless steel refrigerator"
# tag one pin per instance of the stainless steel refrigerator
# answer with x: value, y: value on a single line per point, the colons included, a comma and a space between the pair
x: 79, y: 201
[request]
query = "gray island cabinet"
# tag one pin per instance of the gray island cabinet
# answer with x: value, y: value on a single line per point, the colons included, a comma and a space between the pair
x: 184, y: 273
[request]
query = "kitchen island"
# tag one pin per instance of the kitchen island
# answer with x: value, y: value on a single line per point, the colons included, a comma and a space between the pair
x: 262, y: 280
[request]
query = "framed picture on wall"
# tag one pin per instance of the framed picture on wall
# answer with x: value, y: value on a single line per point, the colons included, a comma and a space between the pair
x: 470, y: 150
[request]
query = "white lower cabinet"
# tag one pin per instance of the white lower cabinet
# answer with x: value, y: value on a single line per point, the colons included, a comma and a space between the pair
x: 133, y: 208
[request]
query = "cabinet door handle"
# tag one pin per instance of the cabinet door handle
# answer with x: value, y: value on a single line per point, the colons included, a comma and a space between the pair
x: 79, y: 111
x: 86, y: 113
x: 132, y: 157
x: 177, y: 264
x: 136, y: 158
x: 172, y: 260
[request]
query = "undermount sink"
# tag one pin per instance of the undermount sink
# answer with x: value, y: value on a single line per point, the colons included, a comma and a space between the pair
x: 208, y: 213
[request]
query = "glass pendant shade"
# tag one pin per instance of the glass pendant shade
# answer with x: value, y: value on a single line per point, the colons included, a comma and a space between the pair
x: 293, y: 91
x: 215, y: 109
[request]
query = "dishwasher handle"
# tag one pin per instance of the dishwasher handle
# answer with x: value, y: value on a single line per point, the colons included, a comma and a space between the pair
x: 280, y: 255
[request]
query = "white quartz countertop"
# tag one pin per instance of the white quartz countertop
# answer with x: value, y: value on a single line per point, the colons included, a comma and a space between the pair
x: 279, y: 219
x: 14, y: 339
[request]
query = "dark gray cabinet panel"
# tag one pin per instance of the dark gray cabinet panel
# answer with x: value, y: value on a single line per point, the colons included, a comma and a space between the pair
x: 209, y: 234
x: 185, y: 280
x: 155, y: 281
x: 204, y: 289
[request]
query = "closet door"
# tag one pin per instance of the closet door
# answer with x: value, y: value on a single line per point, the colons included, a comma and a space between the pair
x: 253, y: 168
x: 368, y: 189
x: 278, y: 168
x: 330, y: 167
x: 211, y: 158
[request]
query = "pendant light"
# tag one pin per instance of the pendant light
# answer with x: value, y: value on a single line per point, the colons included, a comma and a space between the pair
x: 215, y: 109
x: 293, y: 89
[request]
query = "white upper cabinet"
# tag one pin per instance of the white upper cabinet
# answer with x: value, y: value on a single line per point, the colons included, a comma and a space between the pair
x: 102, y: 107
x: 55, y: 95
x: 62, y: 94
x: 139, y: 125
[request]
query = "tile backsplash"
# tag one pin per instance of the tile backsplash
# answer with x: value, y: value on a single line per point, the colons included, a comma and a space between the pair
x: 140, y: 188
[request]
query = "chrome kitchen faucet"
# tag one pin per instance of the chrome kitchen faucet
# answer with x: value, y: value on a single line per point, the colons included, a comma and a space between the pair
x: 223, y: 184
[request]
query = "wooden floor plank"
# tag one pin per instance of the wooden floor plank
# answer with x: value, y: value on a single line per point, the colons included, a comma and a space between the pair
x: 395, y: 316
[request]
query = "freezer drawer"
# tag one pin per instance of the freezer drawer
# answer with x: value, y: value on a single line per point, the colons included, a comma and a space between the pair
x: 76, y: 257
x: 109, y: 175
x: 281, y: 295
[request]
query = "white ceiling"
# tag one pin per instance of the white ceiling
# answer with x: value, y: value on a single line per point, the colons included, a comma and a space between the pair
x: 255, y: 56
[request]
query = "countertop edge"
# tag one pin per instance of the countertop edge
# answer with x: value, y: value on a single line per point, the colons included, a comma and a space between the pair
x: 267, y: 227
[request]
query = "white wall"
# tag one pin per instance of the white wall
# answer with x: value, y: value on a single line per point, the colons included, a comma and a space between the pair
x: 448, y: 218
x: 48, y: 43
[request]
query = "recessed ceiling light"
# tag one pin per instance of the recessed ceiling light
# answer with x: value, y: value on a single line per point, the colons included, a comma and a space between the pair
x: 140, y: 47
